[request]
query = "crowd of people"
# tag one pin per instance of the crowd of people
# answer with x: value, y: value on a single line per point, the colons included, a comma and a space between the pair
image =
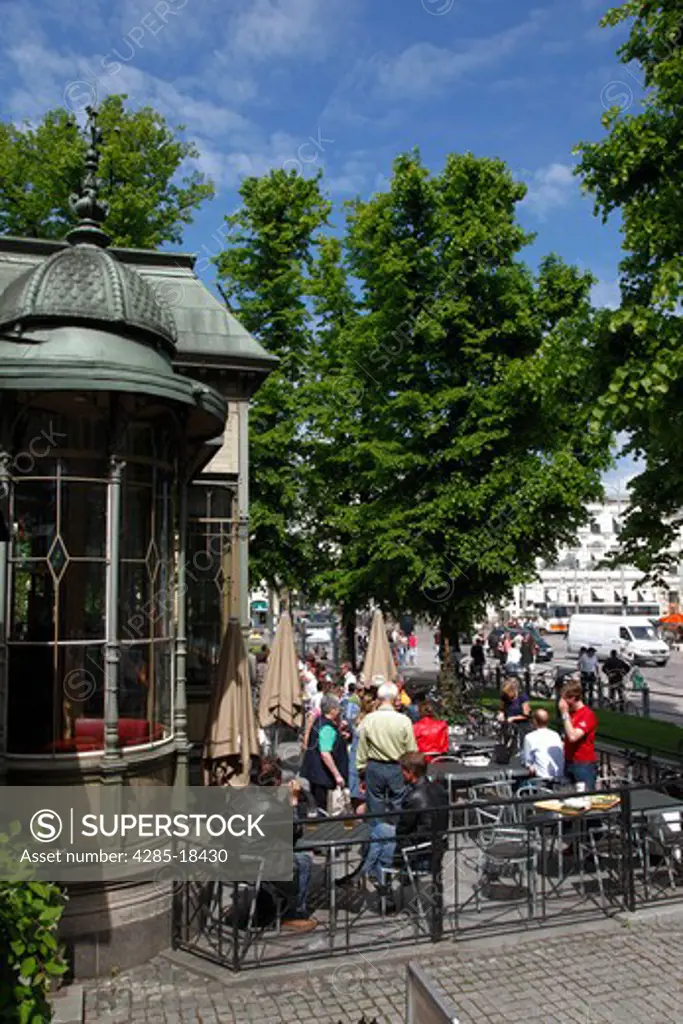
x: 365, y: 749
x: 553, y: 756
x: 366, y: 746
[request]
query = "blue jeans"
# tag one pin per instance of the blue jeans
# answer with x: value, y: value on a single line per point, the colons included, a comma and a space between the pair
x: 384, y: 786
x: 303, y: 862
x: 583, y: 771
x: 381, y: 852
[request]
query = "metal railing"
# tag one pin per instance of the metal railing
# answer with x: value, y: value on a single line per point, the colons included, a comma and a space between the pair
x: 502, y: 865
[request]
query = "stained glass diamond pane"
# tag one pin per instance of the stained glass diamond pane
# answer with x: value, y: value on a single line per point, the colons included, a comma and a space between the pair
x: 57, y: 557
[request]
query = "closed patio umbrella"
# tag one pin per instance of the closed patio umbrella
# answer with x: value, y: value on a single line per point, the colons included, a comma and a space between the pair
x: 379, y: 659
x: 281, y: 697
x: 231, y: 737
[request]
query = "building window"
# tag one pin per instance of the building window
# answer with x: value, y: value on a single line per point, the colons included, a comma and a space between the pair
x: 56, y: 638
x: 595, y: 527
x: 56, y: 629
x: 210, y: 574
x: 146, y: 603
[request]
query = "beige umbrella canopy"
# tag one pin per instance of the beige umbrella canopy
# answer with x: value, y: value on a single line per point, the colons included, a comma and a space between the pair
x: 378, y: 659
x: 281, y: 698
x: 231, y: 737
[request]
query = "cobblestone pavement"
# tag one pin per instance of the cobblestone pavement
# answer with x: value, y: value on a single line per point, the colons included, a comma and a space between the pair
x: 626, y: 972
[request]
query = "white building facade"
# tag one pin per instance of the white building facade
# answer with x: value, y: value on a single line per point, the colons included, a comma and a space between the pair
x: 576, y: 579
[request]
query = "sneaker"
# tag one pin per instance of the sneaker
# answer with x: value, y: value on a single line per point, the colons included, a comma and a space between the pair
x: 297, y: 923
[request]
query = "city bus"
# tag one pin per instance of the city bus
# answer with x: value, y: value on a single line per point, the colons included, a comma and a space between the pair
x: 649, y: 611
x: 557, y: 618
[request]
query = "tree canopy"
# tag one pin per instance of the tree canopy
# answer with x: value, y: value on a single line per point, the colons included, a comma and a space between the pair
x: 142, y: 168
x: 425, y: 439
x: 265, y: 277
x: 637, y: 170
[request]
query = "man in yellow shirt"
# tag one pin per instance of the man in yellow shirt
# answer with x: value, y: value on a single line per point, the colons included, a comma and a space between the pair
x: 383, y: 737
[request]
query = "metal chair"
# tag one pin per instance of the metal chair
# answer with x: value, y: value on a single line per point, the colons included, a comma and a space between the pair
x: 663, y: 837
x: 502, y: 847
x: 406, y: 870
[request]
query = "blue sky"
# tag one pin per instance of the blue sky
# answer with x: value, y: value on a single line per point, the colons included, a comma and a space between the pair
x: 344, y: 85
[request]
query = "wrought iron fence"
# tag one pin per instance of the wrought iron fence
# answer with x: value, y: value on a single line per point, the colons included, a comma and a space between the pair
x: 506, y: 861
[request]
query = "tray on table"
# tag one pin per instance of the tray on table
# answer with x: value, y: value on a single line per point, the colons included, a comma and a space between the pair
x: 600, y: 802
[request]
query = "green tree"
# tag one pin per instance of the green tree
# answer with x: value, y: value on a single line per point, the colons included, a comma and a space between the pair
x: 141, y: 168
x: 265, y: 275
x: 466, y: 437
x: 637, y: 170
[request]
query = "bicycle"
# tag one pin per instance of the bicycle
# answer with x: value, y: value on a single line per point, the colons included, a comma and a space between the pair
x: 542, y: 684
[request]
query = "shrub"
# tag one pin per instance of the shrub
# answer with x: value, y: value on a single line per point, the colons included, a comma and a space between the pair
x: 31, y: 958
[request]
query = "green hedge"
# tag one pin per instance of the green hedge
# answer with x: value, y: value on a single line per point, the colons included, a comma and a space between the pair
x: 630, y: 731
x: 31, y: 958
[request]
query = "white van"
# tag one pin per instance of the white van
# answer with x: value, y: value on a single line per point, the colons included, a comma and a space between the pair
x: 632, y: 636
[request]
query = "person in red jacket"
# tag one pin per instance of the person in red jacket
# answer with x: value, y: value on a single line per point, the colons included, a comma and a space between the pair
x: 431, y: 733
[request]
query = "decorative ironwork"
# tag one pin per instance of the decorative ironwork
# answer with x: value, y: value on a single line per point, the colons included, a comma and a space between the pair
x: 87, y: 205
x: 152, y: 561
x: 57, y: 558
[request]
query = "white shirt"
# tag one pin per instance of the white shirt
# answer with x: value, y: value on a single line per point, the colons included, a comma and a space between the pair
x: 514, y: 656
x: 348, y: 679
x: 543, y: 751
x: 310, y: 684
x: 588, y: 663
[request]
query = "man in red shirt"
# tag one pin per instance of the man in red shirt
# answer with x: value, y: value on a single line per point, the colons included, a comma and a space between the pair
x: 580, y: 725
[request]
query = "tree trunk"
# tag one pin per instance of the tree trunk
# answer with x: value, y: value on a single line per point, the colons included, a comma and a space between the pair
x: 349, y: 629
x: 449, y: 683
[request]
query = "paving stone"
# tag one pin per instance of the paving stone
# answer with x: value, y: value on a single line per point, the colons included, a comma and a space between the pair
x: 628, y: 975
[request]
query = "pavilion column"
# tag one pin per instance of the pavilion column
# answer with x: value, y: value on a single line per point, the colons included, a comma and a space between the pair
x: 112, y: 650
x: 243, y: 517
x: 4, y: 574
x: 180, y: 706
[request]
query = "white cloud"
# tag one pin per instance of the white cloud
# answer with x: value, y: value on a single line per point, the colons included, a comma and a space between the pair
x: 606, y: 294
x: 46, y: 79
x: 227, y: 167
x: 550, y: 187
x: 281, y: 28
x: 424, y: 68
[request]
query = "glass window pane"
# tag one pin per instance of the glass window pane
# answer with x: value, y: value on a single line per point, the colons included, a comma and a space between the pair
x: 80, y: 678
x: 136, y: 518
x: 31, y: 704
x: 145, y: 704
x: 134, y: 682
x: 82, y: 601
x: 56, y: 698
x: 162, y: 710
x: 83, y: 522
x: 35, y: 513
x: 33, y: 593
x: 136, y: 611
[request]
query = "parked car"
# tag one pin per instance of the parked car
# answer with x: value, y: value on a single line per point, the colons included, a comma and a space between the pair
x: 632, y: 636
x: 545, y: 651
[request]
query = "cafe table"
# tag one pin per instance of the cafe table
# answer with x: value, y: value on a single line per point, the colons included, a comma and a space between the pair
x: 644, y: 803
x: 332, y: 836
x: 463, y: 776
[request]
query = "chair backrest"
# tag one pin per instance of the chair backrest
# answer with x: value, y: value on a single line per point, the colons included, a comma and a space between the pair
x: 491, y: 814
x: 531, y: 788
x: 610, y: 783
x: 667, y: 825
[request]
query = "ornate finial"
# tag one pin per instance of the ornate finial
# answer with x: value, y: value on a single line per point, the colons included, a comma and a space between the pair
x: 88, y: 207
